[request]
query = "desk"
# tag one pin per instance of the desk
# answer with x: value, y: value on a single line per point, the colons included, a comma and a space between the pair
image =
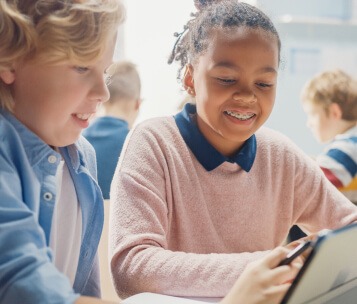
x: 153, y: 298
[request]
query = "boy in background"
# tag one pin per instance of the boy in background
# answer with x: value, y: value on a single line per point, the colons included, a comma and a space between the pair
x: 330, y: 102
x: 107, y: 133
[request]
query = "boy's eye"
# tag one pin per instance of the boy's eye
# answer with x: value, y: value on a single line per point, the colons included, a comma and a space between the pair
x: 81, y: 70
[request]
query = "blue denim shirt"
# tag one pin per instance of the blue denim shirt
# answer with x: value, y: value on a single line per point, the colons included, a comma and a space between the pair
x: 27, y: 198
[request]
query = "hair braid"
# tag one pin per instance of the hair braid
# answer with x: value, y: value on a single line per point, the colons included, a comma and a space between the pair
x: 216, y: 14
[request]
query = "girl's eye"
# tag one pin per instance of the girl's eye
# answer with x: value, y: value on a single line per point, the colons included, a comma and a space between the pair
x: 264, y: 85
x: 81, y: 70
x: 226, y: 81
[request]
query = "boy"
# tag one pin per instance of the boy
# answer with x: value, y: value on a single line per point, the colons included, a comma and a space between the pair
x: 54, y: 57
x: 330, y: 102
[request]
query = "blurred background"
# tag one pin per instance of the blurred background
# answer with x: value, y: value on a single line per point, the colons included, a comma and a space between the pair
x: 316, y: 35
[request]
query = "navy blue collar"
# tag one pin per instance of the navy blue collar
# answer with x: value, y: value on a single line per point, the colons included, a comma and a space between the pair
x: 205, y: 153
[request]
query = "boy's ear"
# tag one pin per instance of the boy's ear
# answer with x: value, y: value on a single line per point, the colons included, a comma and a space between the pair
x: 188, y: 80
x: 7, y: 76
x: 335, y: 111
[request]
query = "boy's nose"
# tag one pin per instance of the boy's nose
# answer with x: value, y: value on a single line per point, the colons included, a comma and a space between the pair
x: 100, y: 92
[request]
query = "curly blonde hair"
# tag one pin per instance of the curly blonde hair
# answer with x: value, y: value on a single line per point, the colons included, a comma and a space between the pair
x: 54, y: 31
x: 333, y: 86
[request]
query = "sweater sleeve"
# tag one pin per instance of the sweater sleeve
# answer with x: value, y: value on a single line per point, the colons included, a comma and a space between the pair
x: 317, y: 203
x: 139, y: 230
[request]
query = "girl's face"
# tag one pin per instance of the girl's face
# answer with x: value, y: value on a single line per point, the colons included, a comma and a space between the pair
x: 234, y: 83
x: 57, y: 101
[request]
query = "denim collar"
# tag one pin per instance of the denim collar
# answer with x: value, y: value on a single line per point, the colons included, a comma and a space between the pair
x: 205, y: 153
x: 36, y: 149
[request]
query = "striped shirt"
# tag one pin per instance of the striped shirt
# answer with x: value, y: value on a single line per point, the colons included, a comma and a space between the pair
x: 339, y: 163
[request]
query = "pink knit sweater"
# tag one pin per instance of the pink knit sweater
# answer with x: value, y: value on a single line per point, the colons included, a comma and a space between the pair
x: 178, y: 229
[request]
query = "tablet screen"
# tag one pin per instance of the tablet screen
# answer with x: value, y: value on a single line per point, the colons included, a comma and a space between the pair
x: 330, y: 268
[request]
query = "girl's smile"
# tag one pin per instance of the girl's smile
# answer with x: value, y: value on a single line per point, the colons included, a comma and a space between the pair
x: 234, y: 83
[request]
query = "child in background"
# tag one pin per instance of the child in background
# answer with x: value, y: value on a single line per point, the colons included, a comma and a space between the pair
x: 53, y: 61
x: 197, y: 196
x: 108, y: 132
x: 330, y: 102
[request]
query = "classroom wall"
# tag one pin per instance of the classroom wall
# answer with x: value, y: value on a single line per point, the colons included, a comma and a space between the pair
x: 315, y: 34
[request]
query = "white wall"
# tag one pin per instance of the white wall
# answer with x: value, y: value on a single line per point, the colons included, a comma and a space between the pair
x: 148, y: 41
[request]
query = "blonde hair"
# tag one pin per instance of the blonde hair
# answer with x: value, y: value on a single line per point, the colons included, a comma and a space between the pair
x: 333, y: 86
x: 53, y: 31
x: 124, y: 82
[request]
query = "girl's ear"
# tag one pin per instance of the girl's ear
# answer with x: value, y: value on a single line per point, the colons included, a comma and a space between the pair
x: 7, y: 76
x: 335, y: 111
x: 188, y: 80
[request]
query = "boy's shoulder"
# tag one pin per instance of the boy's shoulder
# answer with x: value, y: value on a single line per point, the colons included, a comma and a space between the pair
x: 8, y: 133
x: 349, y: 137
x: 12, y: 149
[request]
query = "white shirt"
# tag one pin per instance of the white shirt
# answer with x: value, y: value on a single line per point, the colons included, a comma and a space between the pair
x: 66, y: 229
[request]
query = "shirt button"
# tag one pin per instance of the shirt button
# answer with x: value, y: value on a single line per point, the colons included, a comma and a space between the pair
x: 47, y: 196
x: 52, y: 159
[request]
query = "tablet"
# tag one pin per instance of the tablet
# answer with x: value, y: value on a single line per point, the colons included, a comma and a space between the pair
x: 329, y: 274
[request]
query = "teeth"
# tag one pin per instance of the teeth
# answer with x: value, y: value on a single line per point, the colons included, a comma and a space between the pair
x: 239, y: 115
x: 83, y: 116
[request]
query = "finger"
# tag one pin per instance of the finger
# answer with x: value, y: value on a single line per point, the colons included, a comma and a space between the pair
x: 294, y: 244
x: 312, y: 237
x: 273, y: 258
x: 283, y: 274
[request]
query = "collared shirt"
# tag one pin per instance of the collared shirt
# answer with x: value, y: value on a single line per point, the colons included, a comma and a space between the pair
x: 28, y: 193
x: 205, y: 153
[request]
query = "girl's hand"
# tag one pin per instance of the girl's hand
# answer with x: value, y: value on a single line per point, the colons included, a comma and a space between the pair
x: 262, y: 281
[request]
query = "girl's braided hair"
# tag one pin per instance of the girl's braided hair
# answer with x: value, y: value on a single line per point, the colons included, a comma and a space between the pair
x: 215, y: 14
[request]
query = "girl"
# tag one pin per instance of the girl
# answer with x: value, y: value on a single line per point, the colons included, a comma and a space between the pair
x: 53, y: 61
x: 52, y: 72
x: 198, y: 196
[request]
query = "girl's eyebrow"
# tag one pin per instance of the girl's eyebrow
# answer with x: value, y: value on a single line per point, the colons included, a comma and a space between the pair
x: 268, y: 69
x: 229, y: 65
